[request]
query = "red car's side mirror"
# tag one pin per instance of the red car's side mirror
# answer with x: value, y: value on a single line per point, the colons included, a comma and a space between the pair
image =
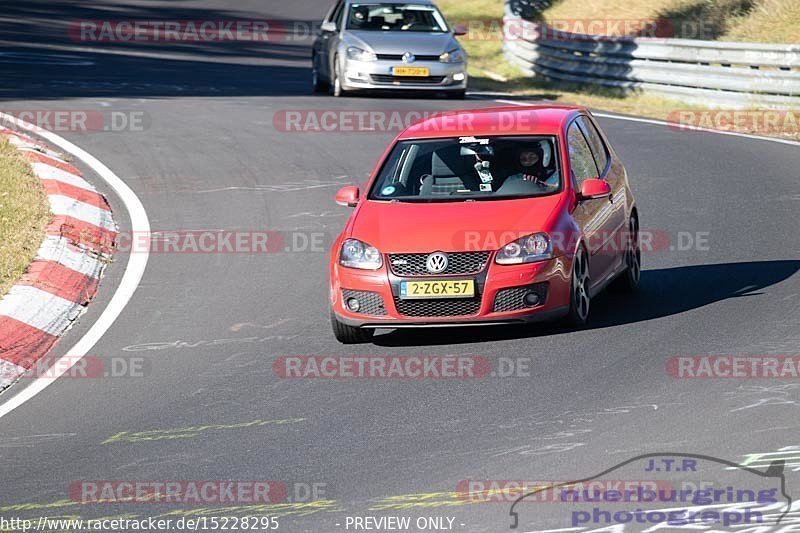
x: 594, y: 188
x: 459, y: 30
x: 347, y: 196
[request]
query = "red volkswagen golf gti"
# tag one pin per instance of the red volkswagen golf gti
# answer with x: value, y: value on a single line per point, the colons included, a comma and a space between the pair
x: 492, y: 216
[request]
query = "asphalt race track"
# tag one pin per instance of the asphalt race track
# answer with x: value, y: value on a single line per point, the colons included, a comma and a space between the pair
x: 211, y: 325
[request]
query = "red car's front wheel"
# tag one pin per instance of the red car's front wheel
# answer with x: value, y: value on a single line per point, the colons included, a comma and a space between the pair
x: 580, y: 300
x: 350, y: 334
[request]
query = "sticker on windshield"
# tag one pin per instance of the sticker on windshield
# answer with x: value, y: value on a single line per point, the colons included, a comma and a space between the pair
x: 388, y: 190
x: 465, y: 140
x: 483, y: 171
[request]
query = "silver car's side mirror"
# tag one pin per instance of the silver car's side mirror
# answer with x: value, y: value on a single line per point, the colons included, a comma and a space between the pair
x: 328, y: 27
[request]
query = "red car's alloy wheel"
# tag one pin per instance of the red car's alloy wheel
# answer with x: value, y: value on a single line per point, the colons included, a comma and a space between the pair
x: 628, y: 281
x: 633, y: 256
x: 580, y: 301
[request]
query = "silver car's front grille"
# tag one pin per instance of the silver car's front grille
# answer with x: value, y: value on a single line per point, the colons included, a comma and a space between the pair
x: 406, y: 80
x: 399, y: 57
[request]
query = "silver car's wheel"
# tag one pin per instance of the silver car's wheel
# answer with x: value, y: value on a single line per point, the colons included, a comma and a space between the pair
x: 337, y: 84
x: 336, y: 80
x: 317, y: 83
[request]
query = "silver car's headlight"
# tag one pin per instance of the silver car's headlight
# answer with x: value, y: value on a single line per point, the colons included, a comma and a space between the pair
x: 453, y: 56
x: 357, y: 54
x: 357, y: 254
x: 528, y: 249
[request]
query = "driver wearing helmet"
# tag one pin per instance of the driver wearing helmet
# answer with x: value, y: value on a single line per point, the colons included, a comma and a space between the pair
x: 532, y: 167
x: 360, y: 15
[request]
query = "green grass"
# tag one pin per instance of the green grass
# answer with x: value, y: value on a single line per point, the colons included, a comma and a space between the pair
x: 24, y: 213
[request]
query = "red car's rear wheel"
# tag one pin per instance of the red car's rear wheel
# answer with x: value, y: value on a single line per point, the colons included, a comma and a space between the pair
x: 628, y: 281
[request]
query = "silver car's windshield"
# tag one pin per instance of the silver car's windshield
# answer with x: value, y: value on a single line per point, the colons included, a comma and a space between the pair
x: 395, y: 17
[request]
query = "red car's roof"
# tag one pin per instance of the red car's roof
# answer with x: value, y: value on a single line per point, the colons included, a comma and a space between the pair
x: 508, y: 120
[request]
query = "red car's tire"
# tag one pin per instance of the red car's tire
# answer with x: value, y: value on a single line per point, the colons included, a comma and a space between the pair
x: 349, y: 334
x: 579, y: 299
x: 628, y: 281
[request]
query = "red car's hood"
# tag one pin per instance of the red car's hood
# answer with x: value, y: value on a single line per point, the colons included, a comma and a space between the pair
x: 451, y: 226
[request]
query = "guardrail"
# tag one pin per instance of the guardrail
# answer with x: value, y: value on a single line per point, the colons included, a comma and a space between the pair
x: 712, y: 73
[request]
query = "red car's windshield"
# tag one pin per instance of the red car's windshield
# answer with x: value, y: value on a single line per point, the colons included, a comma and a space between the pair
x: 469, y: 168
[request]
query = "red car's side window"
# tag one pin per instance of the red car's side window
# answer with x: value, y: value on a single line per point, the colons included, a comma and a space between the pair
x: 596, y: 143
x: 581, y: 160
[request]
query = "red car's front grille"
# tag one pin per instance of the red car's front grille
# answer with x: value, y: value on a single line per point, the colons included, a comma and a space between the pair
x: 458, y: 264
x: 438, y: 307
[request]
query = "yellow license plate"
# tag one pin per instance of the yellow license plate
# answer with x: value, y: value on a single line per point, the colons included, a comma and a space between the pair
x: 413, y: 290
x: 410, y: 71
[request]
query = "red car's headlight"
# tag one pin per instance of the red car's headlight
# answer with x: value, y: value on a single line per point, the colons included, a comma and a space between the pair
x: 357, y: 254
x: 528, y: 249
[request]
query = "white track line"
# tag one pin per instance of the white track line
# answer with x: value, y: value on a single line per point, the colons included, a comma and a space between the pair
x: 656, y: 122
x: 134, y: 270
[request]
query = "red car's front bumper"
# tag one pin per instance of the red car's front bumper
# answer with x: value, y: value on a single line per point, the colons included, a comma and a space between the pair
x: 382, y: 306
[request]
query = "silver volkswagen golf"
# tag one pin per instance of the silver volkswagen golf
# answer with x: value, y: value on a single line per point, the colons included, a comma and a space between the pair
x: 386, y: 46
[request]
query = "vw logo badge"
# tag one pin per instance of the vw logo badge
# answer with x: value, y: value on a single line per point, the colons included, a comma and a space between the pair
x: 436, y: 263
x: 408, y: 57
